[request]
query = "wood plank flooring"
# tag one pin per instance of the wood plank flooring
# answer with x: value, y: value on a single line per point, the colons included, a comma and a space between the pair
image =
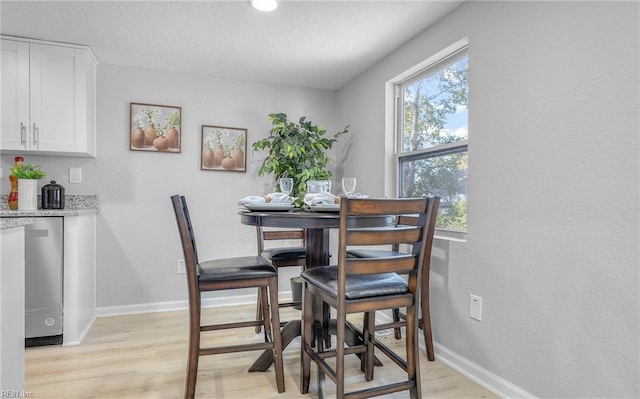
x: 144, y: 356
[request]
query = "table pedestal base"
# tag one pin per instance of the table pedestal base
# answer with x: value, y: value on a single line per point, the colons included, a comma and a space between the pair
x: 292, y: 329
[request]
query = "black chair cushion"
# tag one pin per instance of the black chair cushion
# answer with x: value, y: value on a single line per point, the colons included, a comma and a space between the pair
x: 372, y: 253
x: 361, y: 286
x: 284, y: 253
x: 240, y: 268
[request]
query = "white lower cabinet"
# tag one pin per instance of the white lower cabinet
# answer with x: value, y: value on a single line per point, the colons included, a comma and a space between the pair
x: 79, y: 280
x: 12, y: 311
x: 48, y: 99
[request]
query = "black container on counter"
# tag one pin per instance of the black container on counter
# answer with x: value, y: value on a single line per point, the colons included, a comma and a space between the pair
x: 52, y: 196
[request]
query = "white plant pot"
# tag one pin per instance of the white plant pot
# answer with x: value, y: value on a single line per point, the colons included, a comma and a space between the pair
x: 27, y: 194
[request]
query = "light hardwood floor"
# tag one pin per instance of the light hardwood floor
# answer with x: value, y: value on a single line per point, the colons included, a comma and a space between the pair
x: 144, y: 356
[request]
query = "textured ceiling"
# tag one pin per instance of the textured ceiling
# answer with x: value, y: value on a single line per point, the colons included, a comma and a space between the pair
x: 319, y: 44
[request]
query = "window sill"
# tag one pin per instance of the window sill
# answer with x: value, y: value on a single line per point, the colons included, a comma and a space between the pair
x: 450, y: 235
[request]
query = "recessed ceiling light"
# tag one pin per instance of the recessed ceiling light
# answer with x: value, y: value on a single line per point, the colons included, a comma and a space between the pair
x: 264, y: 5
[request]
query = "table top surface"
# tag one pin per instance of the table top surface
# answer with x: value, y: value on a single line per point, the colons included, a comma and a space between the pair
x: 309, y: 220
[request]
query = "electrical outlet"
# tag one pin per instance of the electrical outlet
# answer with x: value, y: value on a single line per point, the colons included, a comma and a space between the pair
x: 75, y: 175
x: 180, y: 267
x: 475, y: 307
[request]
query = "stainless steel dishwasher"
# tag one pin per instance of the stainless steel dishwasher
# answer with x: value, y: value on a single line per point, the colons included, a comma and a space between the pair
x: 44, y: 247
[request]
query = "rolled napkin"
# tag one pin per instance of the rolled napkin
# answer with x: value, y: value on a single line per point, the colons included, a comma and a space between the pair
x: 272, y: 198
x: 321, y: 199
x: 358, y: 195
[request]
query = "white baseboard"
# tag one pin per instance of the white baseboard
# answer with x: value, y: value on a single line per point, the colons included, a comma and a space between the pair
x: 79, y: 339
x: 108, y: 311
x: 474, y: 372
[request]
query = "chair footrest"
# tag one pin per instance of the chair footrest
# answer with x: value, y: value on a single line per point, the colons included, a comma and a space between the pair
x: 227, y: 326
x: 288, y: 304
x: 377, y: 391
x: 236, y: 348
x: 385, y: 326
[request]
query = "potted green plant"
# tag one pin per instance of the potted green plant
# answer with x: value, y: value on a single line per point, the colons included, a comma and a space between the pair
x: 28, y: 172
x: 296, y: 150
x: 28, y: 176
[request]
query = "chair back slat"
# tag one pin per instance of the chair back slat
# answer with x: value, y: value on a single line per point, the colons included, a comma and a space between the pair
x: 385, y: 206
x: 408, y: 220
x: 278, y: 235
x: 399, y: 264
x: 283, y: 235
x: 383, y: 236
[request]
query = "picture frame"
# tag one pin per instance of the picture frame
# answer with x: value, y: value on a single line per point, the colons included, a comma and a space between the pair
x: 223, y: 149
x: 155, y: 128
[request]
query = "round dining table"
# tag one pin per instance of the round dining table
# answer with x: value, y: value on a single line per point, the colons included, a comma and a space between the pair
x: 317, y: 225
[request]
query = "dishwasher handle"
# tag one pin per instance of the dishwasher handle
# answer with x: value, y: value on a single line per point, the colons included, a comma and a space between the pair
x: 36, y: 233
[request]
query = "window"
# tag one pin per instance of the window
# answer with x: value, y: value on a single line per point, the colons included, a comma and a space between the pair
x: 432, y: 136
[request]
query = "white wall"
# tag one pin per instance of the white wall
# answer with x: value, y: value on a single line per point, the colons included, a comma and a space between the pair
x: 553, y: 192
x: 138, y: 242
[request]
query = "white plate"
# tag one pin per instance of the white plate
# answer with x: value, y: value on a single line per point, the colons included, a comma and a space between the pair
x: 269, y: 207
x: 325, y: 208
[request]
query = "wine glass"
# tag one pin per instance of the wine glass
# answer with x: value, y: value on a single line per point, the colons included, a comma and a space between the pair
x: 348, y: 185
x: 286, y: 185
x: 327, y: 186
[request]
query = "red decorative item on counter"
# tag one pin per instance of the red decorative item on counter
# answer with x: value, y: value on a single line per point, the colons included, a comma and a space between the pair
x: 12, y: 199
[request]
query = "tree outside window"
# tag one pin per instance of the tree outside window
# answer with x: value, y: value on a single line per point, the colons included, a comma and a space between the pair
x: 433, y: 138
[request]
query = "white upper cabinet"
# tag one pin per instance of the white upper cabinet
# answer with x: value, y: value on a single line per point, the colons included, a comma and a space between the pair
x: 48, y: 99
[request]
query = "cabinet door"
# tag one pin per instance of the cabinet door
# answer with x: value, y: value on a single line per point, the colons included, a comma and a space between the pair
x: 54, y: 96
x: 12, y: 310
x: 48, y: 99
x: 15, y: 95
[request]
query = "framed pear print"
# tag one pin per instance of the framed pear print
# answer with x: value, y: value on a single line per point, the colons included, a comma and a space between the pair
x: 223, y: 149
x: 155, y: 128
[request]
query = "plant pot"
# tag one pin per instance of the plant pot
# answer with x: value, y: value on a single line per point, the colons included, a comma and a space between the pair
x: 27, y: 194
x: 296, y: 292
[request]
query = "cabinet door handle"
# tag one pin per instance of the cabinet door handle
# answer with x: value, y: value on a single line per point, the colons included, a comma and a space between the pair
x: 36, y: 134
x: 23, y: 133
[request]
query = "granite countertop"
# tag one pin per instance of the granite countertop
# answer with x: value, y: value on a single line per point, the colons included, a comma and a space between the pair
x: 75, y: 205
x: 7, y: 223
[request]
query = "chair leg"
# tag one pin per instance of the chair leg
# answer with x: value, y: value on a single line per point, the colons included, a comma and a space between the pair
x: 326, y: 315
x: 274, y: 328
x: 397, y: 333
x: 340, y: 333
x: 306, y: 336
x: 193, y: 354
x: 320, y: 376
x: 426, y: 324
x: 259, y: 314
x: 369, y: 331
x: 363, y: 358
x: 413, y: 359
x: 426, y: 316
x: 266, y: 321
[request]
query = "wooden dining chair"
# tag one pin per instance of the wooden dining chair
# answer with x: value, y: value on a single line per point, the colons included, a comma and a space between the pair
x: 399, y: 318
x: 226, y: 274
x: 280, y: 256
x: 367, y: 285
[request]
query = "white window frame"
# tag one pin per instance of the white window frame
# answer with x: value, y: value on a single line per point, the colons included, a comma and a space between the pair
x: 393, y: 124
